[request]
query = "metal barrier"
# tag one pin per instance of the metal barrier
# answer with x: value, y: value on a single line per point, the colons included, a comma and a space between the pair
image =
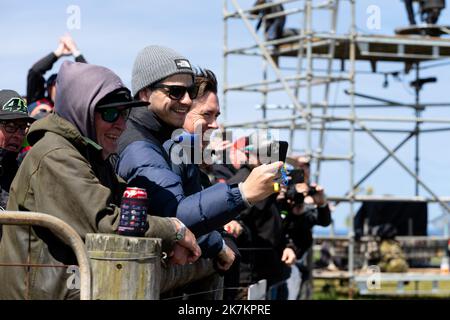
x: 64, y: 232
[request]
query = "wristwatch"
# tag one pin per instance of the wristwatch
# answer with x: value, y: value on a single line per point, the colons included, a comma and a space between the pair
x: 179, y: 235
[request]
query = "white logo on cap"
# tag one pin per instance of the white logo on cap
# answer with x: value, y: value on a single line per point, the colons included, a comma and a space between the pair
x: 183, y: 64
x: 15, y: 105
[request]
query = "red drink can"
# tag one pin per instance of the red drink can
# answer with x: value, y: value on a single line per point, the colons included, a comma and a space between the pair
x: 133, y: 213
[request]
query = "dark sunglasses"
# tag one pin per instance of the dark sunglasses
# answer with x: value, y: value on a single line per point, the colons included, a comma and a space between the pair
x: 177, y: 92
x: 112, y: 114
x: 11, y: 127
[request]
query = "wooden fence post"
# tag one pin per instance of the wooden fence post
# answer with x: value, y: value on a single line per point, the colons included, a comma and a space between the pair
x: 127, y: 268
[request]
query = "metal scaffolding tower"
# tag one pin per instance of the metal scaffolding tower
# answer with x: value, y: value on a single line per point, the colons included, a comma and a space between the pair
x: 306, y: 46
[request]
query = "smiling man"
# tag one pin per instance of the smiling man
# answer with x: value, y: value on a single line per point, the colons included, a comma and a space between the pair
x: 202, y: 117
x: 14, y: 122
x: 164, y: 79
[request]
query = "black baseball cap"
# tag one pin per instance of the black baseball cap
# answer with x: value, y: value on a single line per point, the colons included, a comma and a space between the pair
x: 120, y: 98
x: 13, y: 107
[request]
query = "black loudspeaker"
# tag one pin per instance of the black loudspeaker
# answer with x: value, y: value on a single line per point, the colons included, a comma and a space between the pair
x: 391, y: 218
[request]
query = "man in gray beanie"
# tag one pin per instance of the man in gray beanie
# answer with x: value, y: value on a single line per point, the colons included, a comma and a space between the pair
x: 170, y: 76
x: 164, y: 78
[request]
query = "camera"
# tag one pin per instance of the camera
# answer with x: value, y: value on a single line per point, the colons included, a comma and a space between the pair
x: 297, y: 198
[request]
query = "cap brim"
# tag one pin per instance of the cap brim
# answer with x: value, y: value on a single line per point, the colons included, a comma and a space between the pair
x: 130, y: 104
x: 15, y: 116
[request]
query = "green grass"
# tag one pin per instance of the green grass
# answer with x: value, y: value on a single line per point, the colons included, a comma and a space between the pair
x: 339, y: 290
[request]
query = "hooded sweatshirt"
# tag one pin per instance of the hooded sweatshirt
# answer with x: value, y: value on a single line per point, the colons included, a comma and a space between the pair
x: 80, y: 85
x: 65, y: 176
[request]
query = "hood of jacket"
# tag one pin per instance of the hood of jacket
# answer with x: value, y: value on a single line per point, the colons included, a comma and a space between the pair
x: 79, y: 87
x: 60, y: 126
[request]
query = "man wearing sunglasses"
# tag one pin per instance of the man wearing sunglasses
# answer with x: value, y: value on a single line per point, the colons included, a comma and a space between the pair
x: 68, y: 174
x: 14, y: 122
x: 164, y: 78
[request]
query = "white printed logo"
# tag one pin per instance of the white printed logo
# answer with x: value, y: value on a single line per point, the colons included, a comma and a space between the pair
x: 74, y: 20
x: 73, y: 282
x: 183, y: 64
x: 374, y: 19
x: 373, y: 282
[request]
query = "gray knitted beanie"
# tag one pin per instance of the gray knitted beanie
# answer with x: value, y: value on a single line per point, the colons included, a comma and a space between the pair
x: 154, y: 63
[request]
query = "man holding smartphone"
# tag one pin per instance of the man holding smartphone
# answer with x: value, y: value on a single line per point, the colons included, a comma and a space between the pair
x: 267, y: 253
x: 165, y: 79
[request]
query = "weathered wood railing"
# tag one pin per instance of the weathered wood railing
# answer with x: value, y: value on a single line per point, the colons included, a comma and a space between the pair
x: 117, y: 267
x: 130, y: 268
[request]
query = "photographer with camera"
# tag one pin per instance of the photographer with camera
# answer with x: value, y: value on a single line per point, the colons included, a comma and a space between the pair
x: 303, y: 205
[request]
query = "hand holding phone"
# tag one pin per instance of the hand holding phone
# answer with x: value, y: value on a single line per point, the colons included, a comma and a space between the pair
x: 276, y: 151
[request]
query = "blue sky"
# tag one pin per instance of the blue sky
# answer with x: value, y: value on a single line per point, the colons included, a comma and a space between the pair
x: 112, y: 32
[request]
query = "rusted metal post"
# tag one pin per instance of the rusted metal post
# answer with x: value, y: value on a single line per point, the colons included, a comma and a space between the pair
x: 125, y: 268
x: 64, y: 232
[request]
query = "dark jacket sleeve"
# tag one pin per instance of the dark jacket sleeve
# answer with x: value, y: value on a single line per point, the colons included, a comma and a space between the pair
x: 320, y: 217
x: 142, y: 164
x: 211, y: 244
x: 36, y: 81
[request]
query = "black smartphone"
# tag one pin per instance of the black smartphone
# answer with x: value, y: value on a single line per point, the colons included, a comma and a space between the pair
x: 282, y: 150
x: 276, y: 152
